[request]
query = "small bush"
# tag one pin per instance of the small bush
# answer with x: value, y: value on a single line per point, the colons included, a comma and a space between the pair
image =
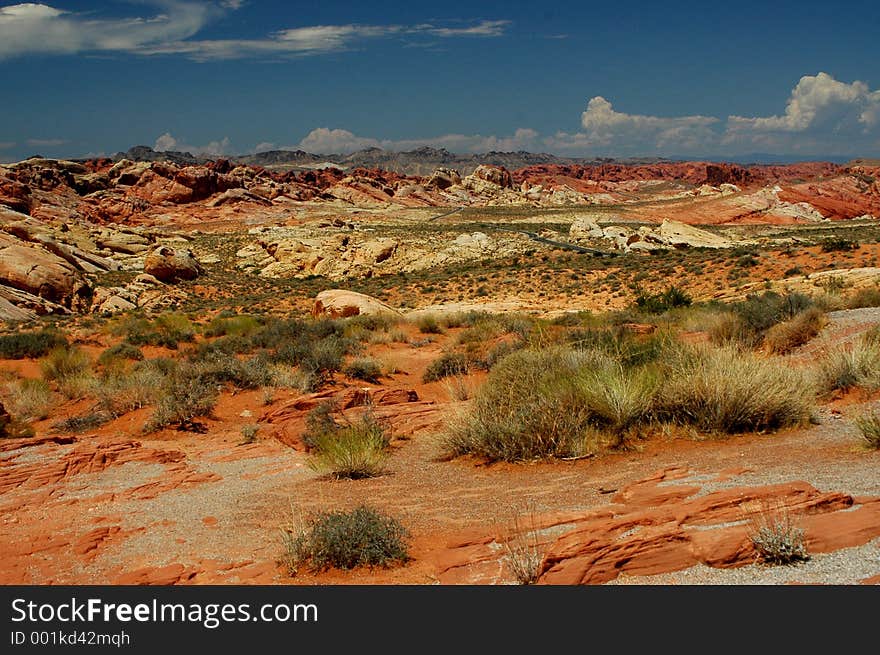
x: 865, y: 297
x: 726, y: 390
x: 167, y: 330
x: 786, y: 336
x: 429, y: 324
x: 446, y: 365
x: 123, y: 350
x: 776, y: 539
x: 83, y: 422
x: 62, y: 363
x: 120, y: 391
x: 530, y: 407
x: 185, y: 398
x: 353, y: 450
x: 869, y: 428
x: 838, y: 244
x: 32, y: 345
x: 347, y: 540
x: 366, y: 369
x: 845, y: 368
x: 658, y: 303
x: 29, y: 399
x: 747, y: 322
x: 249, y: 433
x: 241, y: 325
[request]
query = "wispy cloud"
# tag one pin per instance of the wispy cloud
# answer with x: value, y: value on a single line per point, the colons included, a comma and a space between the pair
x: 46, y: 142
x: 32, y: 28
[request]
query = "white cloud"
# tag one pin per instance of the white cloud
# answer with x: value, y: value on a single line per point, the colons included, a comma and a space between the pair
x: 167, y: 142
x: 324, y: 140
x: 822, y: 115
x: 32, y: 28
x: 6, y: 145
x: 38, y: 28
x: 610, y: 130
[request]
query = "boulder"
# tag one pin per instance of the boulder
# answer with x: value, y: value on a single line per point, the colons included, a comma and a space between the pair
x: 37, y: 271
x: 443, y: 178
x: 169, y: 264
x: 341, y: 303
x: 497, y: 175
x: 680, y: 235
x: 585, y: 227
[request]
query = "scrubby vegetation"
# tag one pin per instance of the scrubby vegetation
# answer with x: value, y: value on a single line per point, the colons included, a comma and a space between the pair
x: 363, y: 536
x: 350, y: 449
x: 20, y: 345
x: 563, y: 402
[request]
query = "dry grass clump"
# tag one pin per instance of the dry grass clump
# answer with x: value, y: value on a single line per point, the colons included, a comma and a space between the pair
x: 29, y: 399
x: 728, y: 390
x: 352, y: 450
x: 71, y: 369
x: 847, y: 367
x: 869, y: 428
x: 786, y: 336
x: 563, y: 402
x: 531, y: 406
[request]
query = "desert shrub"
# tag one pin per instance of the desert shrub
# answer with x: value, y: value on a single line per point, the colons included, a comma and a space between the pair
x: 168, y: 330
x: 352, y: 450
x: 501, y: 350
x: 446, y: 365
x: 531, y: 406
x: 249, y: 433
x: 82, y: 422
x: 319, y: 422
x: 364, y: 368
x: 776, y: 538
x: 864, y: 297
x: 657, y: 303
x: 623, y: 346
x: 63, y: 363
x: 122, y: 350
x: 618, y: 399
x: 219, y: 369
x: 29, y: 399
x: 429, y: 324
x: 240, y: 325
x: 844, y: 368
x: 232, y: 344
x: 728, y: 390
x: 746, y: 322
x: 523, y: 553
x: 374, y: 322
x: 838, y: 244
x: 120, y: 390
x: 346, y: 540
x: 21, y: 345
x: 185, y: 397
x: 788, y: 335
x: 869, y: 427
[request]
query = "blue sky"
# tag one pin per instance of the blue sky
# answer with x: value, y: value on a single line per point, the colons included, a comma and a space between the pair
x: 586, y: 79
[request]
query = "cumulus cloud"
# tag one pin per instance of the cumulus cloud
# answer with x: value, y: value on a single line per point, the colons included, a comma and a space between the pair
x: 32, y: 28
x: 167, y: 142
x: 611, y: 130
x: 822, y: 113
x: 326, y: 141
x: 823, y: 116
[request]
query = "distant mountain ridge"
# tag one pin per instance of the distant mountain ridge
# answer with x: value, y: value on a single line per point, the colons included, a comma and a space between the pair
x: 425, y: 160
x: 421, y: 161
